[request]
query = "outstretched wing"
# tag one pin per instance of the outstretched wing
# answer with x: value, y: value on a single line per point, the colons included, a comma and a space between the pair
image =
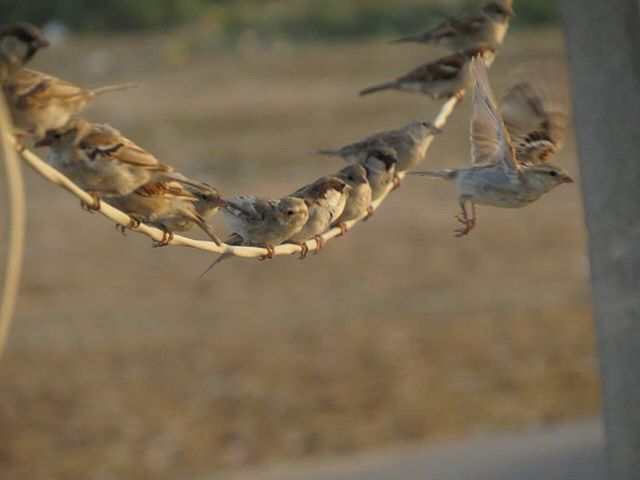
x: 490, y: 141
x: 536, y: 111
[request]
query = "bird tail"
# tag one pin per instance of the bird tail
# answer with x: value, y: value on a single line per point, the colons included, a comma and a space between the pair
x: 221, y: 258
x: 410, y: 39
x: 446, y: 174
x: 113, y: 88
x: 335, y: 152
x: 377, y: 88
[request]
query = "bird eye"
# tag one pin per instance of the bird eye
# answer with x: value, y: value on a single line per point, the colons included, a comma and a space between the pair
x: 553, y: 173
x: 290, y: 212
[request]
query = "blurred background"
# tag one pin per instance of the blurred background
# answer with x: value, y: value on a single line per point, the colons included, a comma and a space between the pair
x: 122, y: 364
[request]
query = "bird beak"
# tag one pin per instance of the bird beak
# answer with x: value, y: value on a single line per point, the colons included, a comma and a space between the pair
x: 220, y: 202
x: 41, y: 43
x: 361, y: 180
x: 511, y: 13
x: 43, y: 142
x: 567, y: 179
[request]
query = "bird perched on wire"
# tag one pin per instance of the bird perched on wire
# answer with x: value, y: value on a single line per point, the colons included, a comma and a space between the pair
x: 19, y: 42
x: 39, y: 102
x: 535, y: 109
x: 488, y: 26
x: 172, y: 206
x: 445, y: 78
x: 359, y: 199
x: 100, y: 160
x: 262, y: 222
x: 409, y: 142
x: 496, y: 178
x: 381, y: 171
x: 326, y: 199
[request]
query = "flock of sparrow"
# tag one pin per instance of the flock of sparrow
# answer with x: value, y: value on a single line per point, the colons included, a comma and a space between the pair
x: 512, y: 144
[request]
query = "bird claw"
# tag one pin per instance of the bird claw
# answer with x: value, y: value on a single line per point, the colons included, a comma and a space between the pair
x: 319, y: 243
x: 343, y: 229
x: 370, y: 212
x: 133, y: 223
x: 468, y: 225
x: 95, y: 206
x: 270, y: 253
x: 397, y: 182
x: 167, y: 237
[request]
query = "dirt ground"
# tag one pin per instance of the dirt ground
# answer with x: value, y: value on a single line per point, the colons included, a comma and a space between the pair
x: 121, y: 364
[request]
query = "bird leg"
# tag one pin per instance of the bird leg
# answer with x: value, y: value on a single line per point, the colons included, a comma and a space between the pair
x: 320, y: 243
x: 95, y: 206
x: 134, y: 222
x: 468, y: 223
x: 343, y: 228
x: 167, y: 236
x: 270, y: 252
x: 397, y: 182
x: 370, y: 212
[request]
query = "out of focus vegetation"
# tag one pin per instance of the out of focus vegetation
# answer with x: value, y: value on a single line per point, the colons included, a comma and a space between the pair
x: 295, y: 19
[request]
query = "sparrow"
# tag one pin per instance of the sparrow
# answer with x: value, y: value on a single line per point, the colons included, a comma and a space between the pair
x: 445, y: 78
x: 326, y: 199
x: 100, y: 160
x: 358, y: 202
x: 172, y: 206
x: 381, y: 171
x: 496, y: 178
x: 39, y: 102
x: 261, y: 222
x: 409, y: 142
x: 19, y: 42
x: 535, y: 109
x: 488, y: 26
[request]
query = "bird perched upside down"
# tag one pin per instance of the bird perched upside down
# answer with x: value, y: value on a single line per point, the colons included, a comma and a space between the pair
x: 172, y: 206
x: 488, y: 26
x: 19, y: 42
x: 445, y: 78
x: 39, y: 102
x: 497, y: 178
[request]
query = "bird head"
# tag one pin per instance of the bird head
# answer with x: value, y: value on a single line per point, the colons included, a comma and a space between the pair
x: 547, y: 176
x: 19, y: 42
x: 354, y: 174
x: 499, y: 10
x: 292, y: 211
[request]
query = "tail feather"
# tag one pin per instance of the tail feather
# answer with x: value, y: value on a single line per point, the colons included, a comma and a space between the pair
x: 221, y: 258
x: 446, y: 174
x: 113, y: 88
x: 409, y: 39
x: 331, y: 152
x: 378, y: 88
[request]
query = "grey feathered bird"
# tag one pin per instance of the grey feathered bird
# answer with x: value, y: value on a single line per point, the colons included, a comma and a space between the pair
x: 496, y: 178
x: 444, y: 78
x: 172, y: 206
x: 381, y: 171
x: 326, y: 199
x: 409, y: 142
x: 39, y: 102
x: 488, y: 26
x: 359, y: 200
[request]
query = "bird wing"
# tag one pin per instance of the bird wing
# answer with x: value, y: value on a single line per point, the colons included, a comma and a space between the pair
x: 107, y: 143
x: 30, y: 88
x: 249, y: 208
x: 167, y: 189
x: 444, y: 69
x: 463, y: 25
x: 535, y: 109
x: 490, y: 141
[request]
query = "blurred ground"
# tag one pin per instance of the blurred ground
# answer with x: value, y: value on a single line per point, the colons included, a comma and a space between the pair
x: 122, y: 364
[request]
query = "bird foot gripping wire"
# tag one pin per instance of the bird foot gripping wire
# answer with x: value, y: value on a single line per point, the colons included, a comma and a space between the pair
x: 167, y: 237
x: 93, y: 207
x: 271, y: 252
x: 133, y: 223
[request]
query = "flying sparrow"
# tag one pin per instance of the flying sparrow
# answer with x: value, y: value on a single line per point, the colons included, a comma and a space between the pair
x: 100, y: 160
x: 172, y: 206
x: 359, y: 199
x: 261, y: 222
x: 326, y: 199
x: 535, y: 109
x: 486, y: 27
x: 40, y: 102
x: 496, y: 178
x: 409, y: 142
x: 444, y: 78
x: 381, y: 171
x: 19, y: 42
